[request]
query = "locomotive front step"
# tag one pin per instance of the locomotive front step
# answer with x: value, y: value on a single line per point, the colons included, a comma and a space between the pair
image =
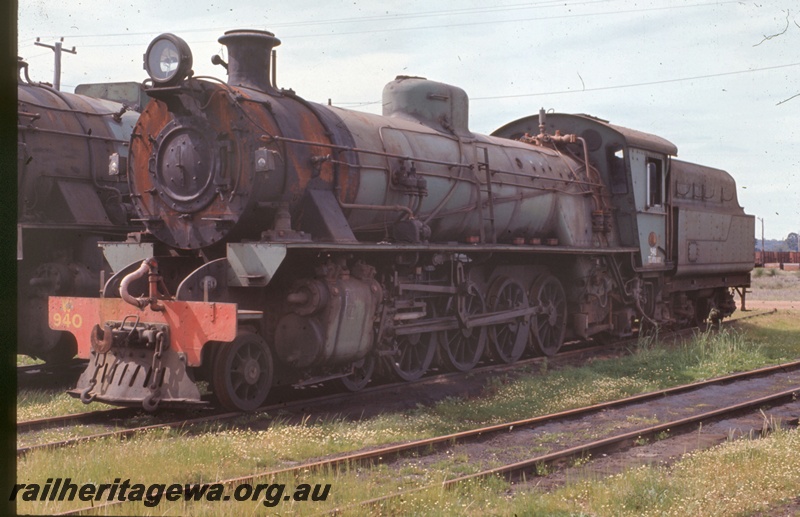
x: 127, y: 377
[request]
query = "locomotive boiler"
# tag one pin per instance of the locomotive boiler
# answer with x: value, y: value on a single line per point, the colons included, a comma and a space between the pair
x: 72, y: 194
x: 289, y: 242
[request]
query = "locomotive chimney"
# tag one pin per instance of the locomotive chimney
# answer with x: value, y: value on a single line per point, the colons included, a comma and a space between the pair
x: 249, y: 58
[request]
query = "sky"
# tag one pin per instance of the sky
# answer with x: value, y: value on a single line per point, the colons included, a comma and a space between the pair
x: 719, y: 79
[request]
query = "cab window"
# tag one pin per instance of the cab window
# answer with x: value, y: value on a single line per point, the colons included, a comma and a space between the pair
x: 655, y: 183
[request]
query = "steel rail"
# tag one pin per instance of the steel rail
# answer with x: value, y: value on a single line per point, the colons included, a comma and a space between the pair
x: 530, y: 466
x: 385, y: 454
x: 82, y: 418
x: 30, y: 369
x: 323, y: 401
x: 94, y: 416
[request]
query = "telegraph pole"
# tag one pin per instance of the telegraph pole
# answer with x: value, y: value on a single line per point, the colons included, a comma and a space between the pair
x: 57, y: 48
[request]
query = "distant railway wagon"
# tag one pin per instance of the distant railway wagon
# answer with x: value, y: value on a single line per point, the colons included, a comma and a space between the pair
x: 776, y: 257
x: 290, y: 242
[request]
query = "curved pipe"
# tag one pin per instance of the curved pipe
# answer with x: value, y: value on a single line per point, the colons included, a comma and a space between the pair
x: 144, y: 269
x: 593, y: 177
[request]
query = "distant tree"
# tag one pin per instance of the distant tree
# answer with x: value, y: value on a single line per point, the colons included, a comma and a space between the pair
x: 791, y: 242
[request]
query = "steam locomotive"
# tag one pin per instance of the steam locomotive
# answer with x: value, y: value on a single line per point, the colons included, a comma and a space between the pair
x: 289, y: 242
x: 72, y: 195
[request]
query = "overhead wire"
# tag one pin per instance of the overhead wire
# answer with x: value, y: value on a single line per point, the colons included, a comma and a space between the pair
x: 480, y: 10
x: 634, y: 85
x: 428, y: 27
x: 387, y: 17
x: 603, y: 88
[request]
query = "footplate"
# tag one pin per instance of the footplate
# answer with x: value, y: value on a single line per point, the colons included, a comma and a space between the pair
x: 125, y: 377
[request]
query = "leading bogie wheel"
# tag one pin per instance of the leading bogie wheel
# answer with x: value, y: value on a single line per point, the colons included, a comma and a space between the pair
x: 550, y: 323
x: 242, y: 372
x: 361, y: 374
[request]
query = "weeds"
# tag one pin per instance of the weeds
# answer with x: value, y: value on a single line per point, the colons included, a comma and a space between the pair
x: 775, y: 284
x: 43, y: 403
x: 225, y: 451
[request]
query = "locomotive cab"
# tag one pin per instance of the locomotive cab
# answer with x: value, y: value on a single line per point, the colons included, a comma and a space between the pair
x: 635, y: 166
x: 669, y: 210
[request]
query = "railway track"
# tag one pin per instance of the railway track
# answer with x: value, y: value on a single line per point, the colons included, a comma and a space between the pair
x: 298, y: 401
x: 302, y: 400
x: 36, y: 375
x: 531, y: 467
x: 772, y: 392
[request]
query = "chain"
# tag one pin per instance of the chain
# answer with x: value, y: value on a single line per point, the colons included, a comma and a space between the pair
x: 150, y: 403
x: 156, y: 365
x: 86, y: 398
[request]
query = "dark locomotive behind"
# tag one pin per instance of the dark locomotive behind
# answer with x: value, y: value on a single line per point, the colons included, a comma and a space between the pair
x: 289, y: 242
x: 72, y: 195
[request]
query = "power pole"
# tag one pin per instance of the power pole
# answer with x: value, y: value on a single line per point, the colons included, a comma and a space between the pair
x: 57, y: 48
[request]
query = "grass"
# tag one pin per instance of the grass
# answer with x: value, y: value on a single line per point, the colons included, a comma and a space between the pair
x: 774, y: 284
x: 222, y: 451
x: 719, y: 481
x: 42, y: 403
x: 24, y: 360
x: 738, y: 478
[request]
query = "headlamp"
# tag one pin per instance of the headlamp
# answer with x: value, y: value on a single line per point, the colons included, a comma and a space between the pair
x: 168, y: 60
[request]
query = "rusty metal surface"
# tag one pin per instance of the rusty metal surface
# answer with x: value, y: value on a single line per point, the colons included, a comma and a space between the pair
x: 777, y: 257
x: 450, y: 247
x: 195, y: 323
x: 633, y: 137
x: 127, y: 377
x: 369, y: 161
x: 529, y: 184
x: 195, y: 173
